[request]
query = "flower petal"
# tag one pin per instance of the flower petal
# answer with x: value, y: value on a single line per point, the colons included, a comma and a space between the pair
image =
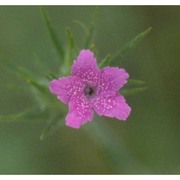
x: 114, y: 106
x: 65, y: 87
x: 85, y: 67
x: 80, y: 111
x: 111, y: 80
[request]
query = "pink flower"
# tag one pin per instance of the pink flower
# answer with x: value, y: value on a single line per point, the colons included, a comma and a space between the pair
x: 90, y: 89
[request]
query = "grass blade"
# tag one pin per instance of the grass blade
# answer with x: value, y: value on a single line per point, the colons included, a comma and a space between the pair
x: 32, y: 114
x: 40, y: 90
x: 82, y: 25
x: 25, y: 74
x: 31, y: 79
x: 132, y: 83
x: 69, y: 52
x: 52, y: 34
x: 51, y: 126
x: 91, y: 30
x: 105, y: 61
x: 135, y: 82
x: 132, y: 91
x: 118, y: 56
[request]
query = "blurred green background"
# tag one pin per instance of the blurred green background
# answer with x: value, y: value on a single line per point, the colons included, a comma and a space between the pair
x: 147, y: 143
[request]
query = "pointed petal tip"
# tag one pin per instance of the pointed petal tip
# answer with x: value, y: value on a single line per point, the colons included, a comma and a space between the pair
x: 85, y: 67
x: 86, y: 53
x: 74, y: 126
x: 80, y: 111
x: 126, y: 114
x: 53, y: 86
x: 114, y: 107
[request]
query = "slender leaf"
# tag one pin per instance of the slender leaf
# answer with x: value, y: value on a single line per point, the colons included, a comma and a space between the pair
x: 118, y: 56
x: 90, y: 34
x: 105, y: 61
x: 25, y: 74
x: 52, y: 34
x: 51, y: 126
x: 69, y: 52
x: 40, y: 87
x: 135, y: 82
x: 132, y: 91
x: 31, y: 79
x: 51, y: 76
x: 28, y: 115
x: 43, y: 96
x: 82, y: 25
x: 40, y: 90
x: 132, y: 83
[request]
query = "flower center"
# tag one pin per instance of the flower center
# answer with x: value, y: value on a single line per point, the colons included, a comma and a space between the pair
x: 89, y: 91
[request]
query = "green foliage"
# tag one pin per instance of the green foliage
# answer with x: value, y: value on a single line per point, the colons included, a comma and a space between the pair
x: 48, y: 106
x: 105, y: 61
x: 132, y: 43
x: 52, y: 34
x: 69, y: 54
x: 52, y: 125
x: 132, y: 91
x: 91, y: 30
x: 133, y: 86
x: 84, y: 27
x: 135, y: 82
x: 33, y: 114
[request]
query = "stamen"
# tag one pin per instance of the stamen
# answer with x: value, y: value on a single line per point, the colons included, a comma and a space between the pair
x: 89, y: 91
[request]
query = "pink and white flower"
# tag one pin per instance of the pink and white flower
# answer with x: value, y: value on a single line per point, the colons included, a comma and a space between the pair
x: 90, y: 89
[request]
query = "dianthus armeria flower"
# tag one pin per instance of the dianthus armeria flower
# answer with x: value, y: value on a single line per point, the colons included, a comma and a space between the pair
x: 90, y: 89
